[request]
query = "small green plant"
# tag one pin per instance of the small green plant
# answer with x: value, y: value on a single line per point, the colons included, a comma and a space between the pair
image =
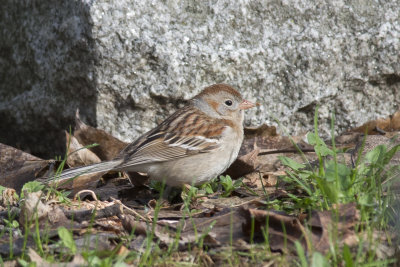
x: 228, y: 185
x: 2, y: 188
x: 67, y: 239
x: 222, y: 182
x: 31, y: 187
x: 332, y: 182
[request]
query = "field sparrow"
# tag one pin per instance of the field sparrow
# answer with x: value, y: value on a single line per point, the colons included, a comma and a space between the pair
x: 192, y: 146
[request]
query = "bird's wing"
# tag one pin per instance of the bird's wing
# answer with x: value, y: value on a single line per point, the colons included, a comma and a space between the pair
x: 175, y: 138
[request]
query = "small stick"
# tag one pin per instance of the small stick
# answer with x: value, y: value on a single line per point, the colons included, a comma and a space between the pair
x: 86, y: 191
x: 129, y: 209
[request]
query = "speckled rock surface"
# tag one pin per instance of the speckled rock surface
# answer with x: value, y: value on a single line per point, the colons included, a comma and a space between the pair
x: 128, y: 64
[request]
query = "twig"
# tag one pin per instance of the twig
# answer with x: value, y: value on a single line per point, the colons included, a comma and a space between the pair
x: 87, y: 214
x: 278, y: 151
x: 129, y: 209
x: 86, y: 191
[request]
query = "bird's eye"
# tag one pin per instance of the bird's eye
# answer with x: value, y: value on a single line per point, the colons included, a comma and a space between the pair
x: 228, y: 102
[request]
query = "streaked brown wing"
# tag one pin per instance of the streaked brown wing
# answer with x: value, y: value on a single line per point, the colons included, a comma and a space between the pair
x: 175, y: 138
x: 165, y: 147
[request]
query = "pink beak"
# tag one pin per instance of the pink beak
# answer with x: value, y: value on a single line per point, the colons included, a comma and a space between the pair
x: 246, y: 104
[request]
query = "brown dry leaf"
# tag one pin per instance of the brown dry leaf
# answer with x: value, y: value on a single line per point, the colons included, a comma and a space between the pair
x: 77, y: 261
x: 78, y: 155
x: 269, y: 145
x: 271, y: 178
x: 395, y: 121
x: 268, y: 179
x: 220, y: 228
x: 9, y: 197
x: 218, y: 204
x: 216, y: 230
x: 348, y: 139
x: 262, y: 130
x: 258, y: 141
x: 283, y: 230
x: 109, y: 146
x: 136, y: 178
x: 123, y: 251
x: 18, y: 167
x: 34, y: 206
x: 120, y: 188
x: 380, y: 126
x: 12, y: 263
x: 382, y: 242
x: 19, y: 245
x: 244, y: 164
x: 97, y: 241
x: 131, y: 224
x: 266, y: 138
x: 166, y: 236
x: 322, y: 222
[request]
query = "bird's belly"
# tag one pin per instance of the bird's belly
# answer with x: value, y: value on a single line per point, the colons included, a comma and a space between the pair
x: 194, y: 170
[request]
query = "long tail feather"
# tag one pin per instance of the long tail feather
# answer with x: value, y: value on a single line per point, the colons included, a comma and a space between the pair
x: 90, y: 169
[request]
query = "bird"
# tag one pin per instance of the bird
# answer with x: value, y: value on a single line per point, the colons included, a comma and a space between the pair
x: 192, y: 146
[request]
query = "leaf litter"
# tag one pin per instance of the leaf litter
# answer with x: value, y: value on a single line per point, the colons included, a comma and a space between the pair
x: 241, y: 221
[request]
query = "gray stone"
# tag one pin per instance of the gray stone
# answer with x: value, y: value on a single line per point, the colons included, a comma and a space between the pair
x: 128, y: 64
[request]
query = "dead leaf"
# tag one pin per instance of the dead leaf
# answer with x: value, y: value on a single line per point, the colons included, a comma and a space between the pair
x: 322, y: 223
x: 18, y: 246
x: 78, y: 155
x: 12, y: 263
x: 97, y: 242
x: 283, y: 230
x: 109, y: 146
x: 88, y: 214
x: 381, y: 125
x: 243, y: 165
x: 266, y: 138
x: 123, y: 251
x: 137, y: 179
x: 165, y: 236
x: 256, y: 180
x: 77, y: 261
x: 138, y: 243
x: 219, y: 229
x: 34, y: 208
x: 263, y: 130
x: 348, y: 139
x: 9, y: 197
x: 131, y: 225
x: 32, y: 205
x: 57, y: 217
x: 18, y: 167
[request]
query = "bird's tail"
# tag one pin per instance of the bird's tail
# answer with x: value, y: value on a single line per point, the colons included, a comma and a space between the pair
x: 90, y: 169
